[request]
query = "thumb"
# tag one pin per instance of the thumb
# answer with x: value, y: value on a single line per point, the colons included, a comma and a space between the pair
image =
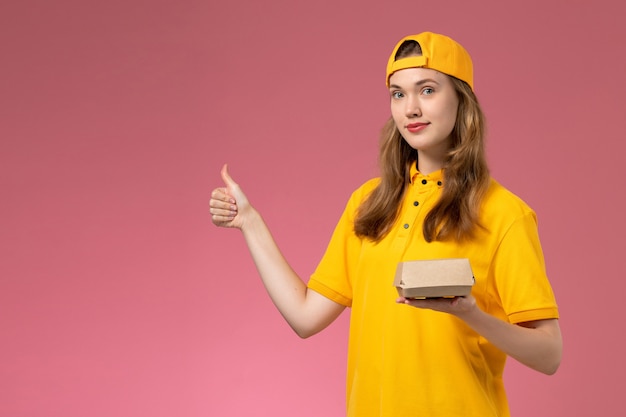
x: 233, y: 189
x: 228, y: 180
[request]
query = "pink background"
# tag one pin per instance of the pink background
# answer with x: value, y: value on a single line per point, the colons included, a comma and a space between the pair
x: 118, y: 297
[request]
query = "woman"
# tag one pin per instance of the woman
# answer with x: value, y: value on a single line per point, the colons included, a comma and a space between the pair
x: 433, y: 200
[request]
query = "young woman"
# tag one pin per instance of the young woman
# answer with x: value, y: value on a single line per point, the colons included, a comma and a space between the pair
x: 434, y: 199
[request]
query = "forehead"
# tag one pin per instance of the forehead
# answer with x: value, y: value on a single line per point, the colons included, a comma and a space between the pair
x: 410, y: 76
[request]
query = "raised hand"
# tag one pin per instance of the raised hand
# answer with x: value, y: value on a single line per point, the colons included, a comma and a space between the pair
x: 229, y: 205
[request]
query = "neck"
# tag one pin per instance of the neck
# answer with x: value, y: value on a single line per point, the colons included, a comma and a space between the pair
x: 427, y: 165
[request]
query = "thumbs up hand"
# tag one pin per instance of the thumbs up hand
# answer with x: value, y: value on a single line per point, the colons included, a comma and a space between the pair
x: 229, y: 205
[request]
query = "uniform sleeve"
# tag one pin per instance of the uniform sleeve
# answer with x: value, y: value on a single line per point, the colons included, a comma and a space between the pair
x: 334, y: 274
x: 520, y: 273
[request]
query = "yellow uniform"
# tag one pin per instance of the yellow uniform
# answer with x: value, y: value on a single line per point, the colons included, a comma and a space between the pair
x: 404, y: 361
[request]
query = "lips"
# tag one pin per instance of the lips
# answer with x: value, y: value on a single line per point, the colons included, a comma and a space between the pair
x: 416, y: 127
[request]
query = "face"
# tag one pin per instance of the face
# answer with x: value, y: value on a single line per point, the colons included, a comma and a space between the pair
x: 424, y: 106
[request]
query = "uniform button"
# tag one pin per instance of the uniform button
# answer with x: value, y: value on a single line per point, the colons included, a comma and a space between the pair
x: 416, y: 203
x: 424, y: 181
x: 406, y: 225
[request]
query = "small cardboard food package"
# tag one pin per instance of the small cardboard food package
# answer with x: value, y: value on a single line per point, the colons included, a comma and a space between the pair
x: 434, y: 278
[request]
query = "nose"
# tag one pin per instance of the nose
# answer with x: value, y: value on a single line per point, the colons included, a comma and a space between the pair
x: 412, y: 107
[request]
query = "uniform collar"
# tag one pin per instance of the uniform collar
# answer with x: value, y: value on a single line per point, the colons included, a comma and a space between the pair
x: 417, y: 176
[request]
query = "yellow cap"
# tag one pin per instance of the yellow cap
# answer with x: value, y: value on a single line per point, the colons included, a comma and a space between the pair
x: 439, y: 52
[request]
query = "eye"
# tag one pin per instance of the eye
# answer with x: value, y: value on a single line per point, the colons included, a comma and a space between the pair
x: 396, y: 95
x: 428, y: 91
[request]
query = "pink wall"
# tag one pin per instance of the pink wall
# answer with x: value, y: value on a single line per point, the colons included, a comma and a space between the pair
x: 118, y: 297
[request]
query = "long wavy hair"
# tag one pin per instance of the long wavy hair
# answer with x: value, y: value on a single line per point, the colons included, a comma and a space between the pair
x: 465, y: 172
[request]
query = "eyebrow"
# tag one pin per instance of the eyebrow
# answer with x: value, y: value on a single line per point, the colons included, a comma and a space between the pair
x: 420, y: 82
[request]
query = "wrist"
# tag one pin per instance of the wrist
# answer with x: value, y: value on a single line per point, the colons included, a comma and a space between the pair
x: 250, y: 220
x: 470, y: 312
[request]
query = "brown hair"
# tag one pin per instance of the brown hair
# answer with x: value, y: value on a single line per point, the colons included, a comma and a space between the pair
x: 465, y: 171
